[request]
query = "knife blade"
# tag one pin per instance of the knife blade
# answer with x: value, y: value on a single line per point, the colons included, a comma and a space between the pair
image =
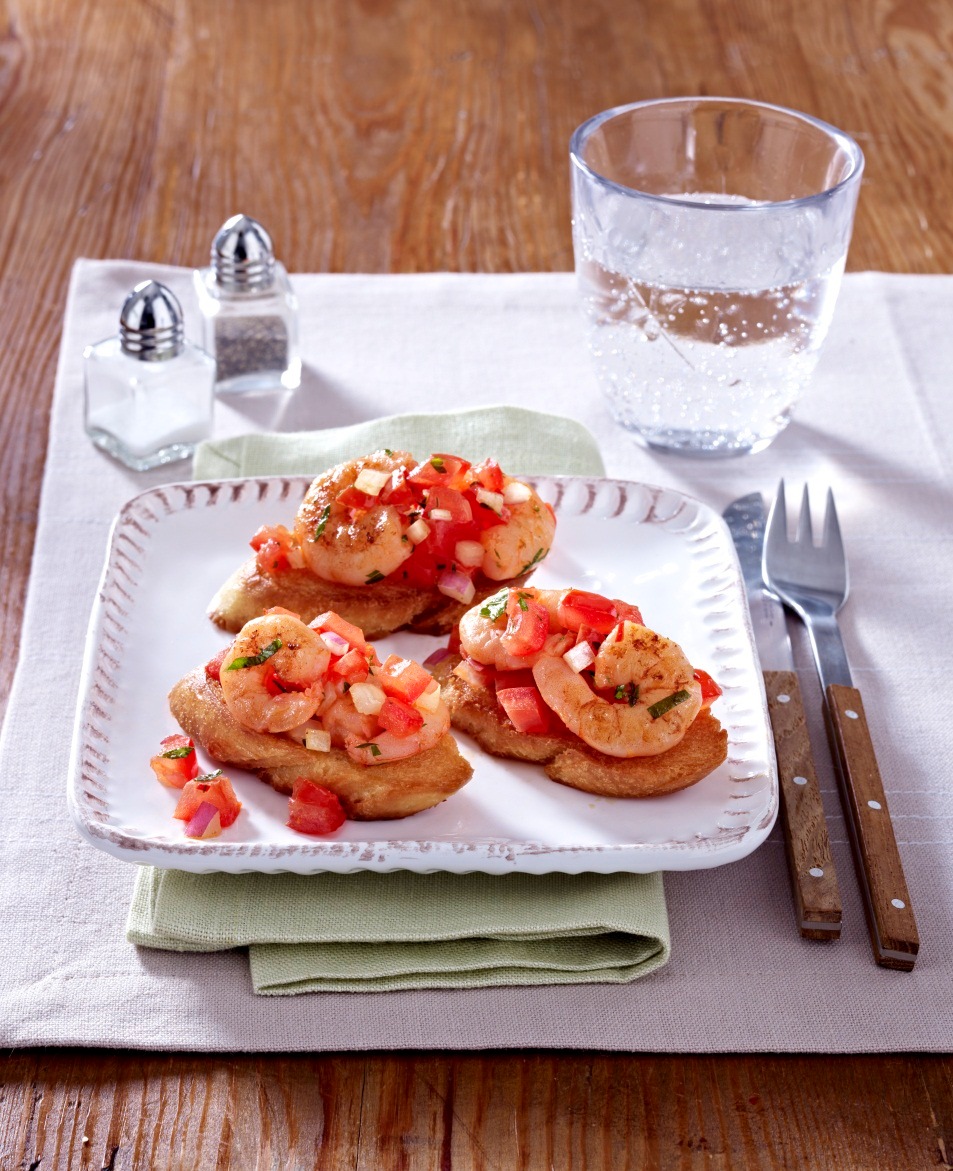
x: 807, y: 844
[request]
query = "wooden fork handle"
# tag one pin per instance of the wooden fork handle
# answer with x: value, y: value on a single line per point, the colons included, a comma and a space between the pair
x: 890, y: 918
x: 808, y: 846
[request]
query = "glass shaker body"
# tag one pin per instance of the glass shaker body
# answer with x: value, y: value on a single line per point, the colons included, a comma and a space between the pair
x: 147, y: 413
x: 253, y: 336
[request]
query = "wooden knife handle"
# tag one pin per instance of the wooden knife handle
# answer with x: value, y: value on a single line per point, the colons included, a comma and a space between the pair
x: 813, y: 878
x: 893, y: 928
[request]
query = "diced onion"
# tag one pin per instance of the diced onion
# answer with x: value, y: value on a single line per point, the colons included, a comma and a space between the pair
x: 456, y: 585
x: 438, y: 656
x: 580, y: 656
x: 429, y: 701
x: 317, y: 741
x: 370, y: 482
x: 493, y: 500
x: 295, y: 557
x: 368, y: 698
x: 418, y: 531
x: 516, y: 492
x: 469, y: 553
x: 335, y: 643
x: 440, y: 514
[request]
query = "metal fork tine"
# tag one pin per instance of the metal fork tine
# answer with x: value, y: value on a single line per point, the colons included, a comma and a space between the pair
x: 832, y: 541
x: 805, y: 535
x: 777, y: 527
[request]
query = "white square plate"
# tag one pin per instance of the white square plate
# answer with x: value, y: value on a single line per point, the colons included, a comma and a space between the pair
x: 172, y: 547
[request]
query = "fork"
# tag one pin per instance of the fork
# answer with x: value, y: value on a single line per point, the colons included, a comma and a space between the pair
x: 811, y: 579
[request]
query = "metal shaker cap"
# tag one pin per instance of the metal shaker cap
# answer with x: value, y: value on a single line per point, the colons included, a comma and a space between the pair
x: 151, y: 327
x: 243, y: 256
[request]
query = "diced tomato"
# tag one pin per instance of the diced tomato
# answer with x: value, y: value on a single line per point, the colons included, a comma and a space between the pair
x: 403, y: 678
x: 313, y: 809
x: 213, y: 668
x: 175, y: 771
x: 628, y: 613
x: 453, y: 643
x: 484, y: 517
x: 440, y: 470
x: 338, y: 625
x: 353, y: 498
x: 399, y: 717
x: 489, y: 475
x: 527, y: 625
x: 461, y: 512
x: 710, y: 689
x: 352, y: 667
x: 507, y: 679
x: 397, y: 491
x: 580, y: 607
x: 433, y: 555
x: 273, y: 546
x: 525, y: 708
x: 218, y: 790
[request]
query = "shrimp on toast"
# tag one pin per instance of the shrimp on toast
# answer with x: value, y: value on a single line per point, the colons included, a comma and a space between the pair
x: 576, y: 682
x: 289, y: 700
x: 389, y: 543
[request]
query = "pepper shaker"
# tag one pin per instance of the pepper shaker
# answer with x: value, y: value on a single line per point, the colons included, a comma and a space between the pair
x: 249, y: 311
x: 149, y: 392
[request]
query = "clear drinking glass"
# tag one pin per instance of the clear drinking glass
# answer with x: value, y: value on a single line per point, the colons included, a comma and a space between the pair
x: 710, y: 236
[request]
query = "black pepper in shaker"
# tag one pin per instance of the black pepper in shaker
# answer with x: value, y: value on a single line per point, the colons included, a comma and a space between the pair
x: 249, y: 311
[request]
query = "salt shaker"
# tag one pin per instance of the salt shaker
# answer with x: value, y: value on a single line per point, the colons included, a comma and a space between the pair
x: 149, y: 392
x: 249, y: 311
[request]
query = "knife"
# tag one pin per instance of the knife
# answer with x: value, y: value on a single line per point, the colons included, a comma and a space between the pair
x: 807, y: 844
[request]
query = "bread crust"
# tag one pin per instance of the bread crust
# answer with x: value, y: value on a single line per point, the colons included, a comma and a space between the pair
x: 569, y: 760
x: 378, y: 609
x: 367, y: 793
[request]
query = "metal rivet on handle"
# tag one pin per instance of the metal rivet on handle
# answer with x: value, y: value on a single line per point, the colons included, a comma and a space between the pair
x: 898, y: 903
x: 784, y: 699
x: 851, y: 715
x: 799, y: 780
x: 875, y: 805
x: 816, y: 872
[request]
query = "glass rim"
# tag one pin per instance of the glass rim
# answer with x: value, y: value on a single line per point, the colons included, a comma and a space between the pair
x: 585, y: 129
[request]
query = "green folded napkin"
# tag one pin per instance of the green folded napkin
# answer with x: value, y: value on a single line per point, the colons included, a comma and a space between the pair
x: 379, y: 932
x: 521, y: 441
x: 382, y: 932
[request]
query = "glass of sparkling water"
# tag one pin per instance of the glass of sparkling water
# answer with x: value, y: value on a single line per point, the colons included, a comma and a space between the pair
x: 710, y: 236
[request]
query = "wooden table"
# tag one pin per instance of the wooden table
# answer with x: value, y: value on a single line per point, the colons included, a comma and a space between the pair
x: 407, y: 135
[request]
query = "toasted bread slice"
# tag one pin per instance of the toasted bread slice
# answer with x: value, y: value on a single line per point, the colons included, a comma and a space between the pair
x: 377, y: 609
x: 367, y: 793
x: 571, y: 761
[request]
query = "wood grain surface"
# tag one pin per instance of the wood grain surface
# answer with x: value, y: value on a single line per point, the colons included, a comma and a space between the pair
x: 807, y: 843
x: 411, y: 135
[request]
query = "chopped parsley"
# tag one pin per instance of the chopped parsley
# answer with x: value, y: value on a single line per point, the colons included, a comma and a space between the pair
x: 178, y: 753
x: 324, y: 520
x: 629, y: 692
x: 209, y: 776
x: 666, y: 704
x: 255, y: 660
x: 493, y: 607
x: 437, y: 464
x: 537, y: 557
x: 375, y: 751
x: 374, y: 575
x: 521, y: 598
x: 387, y: 451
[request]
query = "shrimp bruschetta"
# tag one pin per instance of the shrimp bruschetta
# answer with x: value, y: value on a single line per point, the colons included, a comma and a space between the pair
x: 576, y: 682
x: 389, y: 543
x: 289, y: 700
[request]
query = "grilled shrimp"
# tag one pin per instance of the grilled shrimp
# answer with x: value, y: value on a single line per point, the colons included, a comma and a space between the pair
x: 351, y: 548
x: 657, y: 696
x: 513, y: 548
x: 481, y: 637
x: 273, y: 676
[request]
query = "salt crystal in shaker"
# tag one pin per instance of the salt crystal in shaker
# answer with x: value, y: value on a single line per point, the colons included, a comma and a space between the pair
x: 149, y: 392
x: 249, y: 311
